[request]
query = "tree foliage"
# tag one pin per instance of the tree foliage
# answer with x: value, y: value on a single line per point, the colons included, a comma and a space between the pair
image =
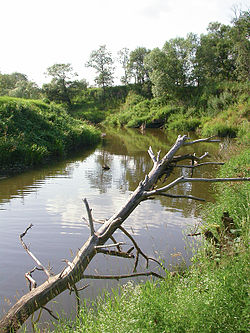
x: 123, y: 59
x: 101, y: 60
x: 18, y: 85
x: 62, y: 87
x: 172, y: 67
x: 137, y: 65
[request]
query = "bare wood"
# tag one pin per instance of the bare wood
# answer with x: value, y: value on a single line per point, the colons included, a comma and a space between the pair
x: 108, y: 245
x: 116, y: 253
x: 30, y: 253
x: 123, y: 276
x: 139, y: 251
x: 190, y: 180
x: 198, y: 165
x: 180, y: 196
x: 70, y: 275
x: 50, y: 312
x: 91, y: 224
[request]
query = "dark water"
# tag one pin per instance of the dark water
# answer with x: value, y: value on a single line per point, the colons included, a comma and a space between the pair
x: 51, y: 199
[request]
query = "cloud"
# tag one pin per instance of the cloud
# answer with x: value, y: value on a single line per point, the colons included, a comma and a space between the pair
x: 154, y: 9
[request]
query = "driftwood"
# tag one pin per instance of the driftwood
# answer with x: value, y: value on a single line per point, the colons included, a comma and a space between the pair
x: 39, y: 296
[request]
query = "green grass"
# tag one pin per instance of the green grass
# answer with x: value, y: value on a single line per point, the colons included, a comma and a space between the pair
x: 32, y: 131
x: 211, y: 296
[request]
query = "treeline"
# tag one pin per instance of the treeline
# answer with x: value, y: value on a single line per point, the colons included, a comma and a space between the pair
x: 194, y: 61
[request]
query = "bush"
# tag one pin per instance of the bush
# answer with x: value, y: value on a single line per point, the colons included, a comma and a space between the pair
x: 219, y: 129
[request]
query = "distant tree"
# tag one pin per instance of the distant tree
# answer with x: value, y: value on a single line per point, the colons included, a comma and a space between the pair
x: 8, y: 82
x: 137, y: 66
x: 26, y: 89
x: 215, y: 60
x: 18, y: 85
x: 123, y: 59
x: 101, y: 60
x: 173, y: 66
x: 240, y: 34
x: 62, y: 87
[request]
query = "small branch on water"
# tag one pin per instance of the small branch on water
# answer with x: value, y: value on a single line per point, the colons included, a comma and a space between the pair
x: 123, y: 276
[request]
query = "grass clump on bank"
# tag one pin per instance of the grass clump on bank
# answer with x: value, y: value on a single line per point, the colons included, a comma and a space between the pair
x: 32, y: 131
x: 211, y: 296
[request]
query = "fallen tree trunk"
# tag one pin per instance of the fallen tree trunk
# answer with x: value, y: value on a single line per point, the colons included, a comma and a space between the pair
x: 39, y: 296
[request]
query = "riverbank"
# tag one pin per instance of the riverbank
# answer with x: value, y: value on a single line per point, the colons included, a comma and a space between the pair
x: 223, y: 111
x: 210, y: 296
x: 33, y: 132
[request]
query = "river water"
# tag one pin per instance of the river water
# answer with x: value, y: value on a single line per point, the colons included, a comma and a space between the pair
x: 51, y: 199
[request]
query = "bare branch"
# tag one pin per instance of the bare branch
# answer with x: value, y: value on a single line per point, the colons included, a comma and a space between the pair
x: 50, y: 312
x: 113, y: 240
x: 152, y: 155
x: 180, y: 196
x: 32, y: 282
x: 77, y: 299
x: 191, y: 157
x: 108, y: 245
x: 30, y: 253
x: 158, y: 156
x: 139, y: 251
x: 198, y: 165
x: 190, y: 180
x: 215, y: 180
x: 123, y: 276
x: 201, y: 140
x: 91, y: 224
x: 116, y: 253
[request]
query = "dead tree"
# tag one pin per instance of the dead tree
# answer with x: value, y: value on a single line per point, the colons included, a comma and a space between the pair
x: 39, y: 296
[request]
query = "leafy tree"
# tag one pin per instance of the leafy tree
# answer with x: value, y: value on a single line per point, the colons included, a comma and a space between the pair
x: 172, y: 67
x: 123, y: 59
x: 62, y: 88
x: 240, y: 34
x: 8, y: 82
x: 26, y: 89
x: 137, y: 65
x: 18, y: 85
x: 214, y: 58
x: 101, y: 60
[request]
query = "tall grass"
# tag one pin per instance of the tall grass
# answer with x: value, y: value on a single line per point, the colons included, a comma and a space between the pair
x: 32, y: 131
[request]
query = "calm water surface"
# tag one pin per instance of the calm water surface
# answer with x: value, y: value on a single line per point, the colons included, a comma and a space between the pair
x: 51, y: 199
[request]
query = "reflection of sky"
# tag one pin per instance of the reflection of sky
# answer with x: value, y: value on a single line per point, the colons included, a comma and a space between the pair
x: 104, y: 191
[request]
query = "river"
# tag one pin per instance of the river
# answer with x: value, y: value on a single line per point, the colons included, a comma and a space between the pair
x: 51, y: 199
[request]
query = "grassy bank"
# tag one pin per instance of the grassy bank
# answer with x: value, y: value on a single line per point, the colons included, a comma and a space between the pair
x: 211, y: 296
x: 32, y: 132
x: 224, y: 111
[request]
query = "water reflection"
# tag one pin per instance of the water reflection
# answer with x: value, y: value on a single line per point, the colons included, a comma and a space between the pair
x: 51, y: 198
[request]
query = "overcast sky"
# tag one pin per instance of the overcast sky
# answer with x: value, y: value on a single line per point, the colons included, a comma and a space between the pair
x: 36, y: 34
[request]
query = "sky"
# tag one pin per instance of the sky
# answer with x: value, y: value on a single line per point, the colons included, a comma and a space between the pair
x: 36, y: 34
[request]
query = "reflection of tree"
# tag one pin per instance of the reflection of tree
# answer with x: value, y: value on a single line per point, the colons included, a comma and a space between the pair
x: 98, y: 177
